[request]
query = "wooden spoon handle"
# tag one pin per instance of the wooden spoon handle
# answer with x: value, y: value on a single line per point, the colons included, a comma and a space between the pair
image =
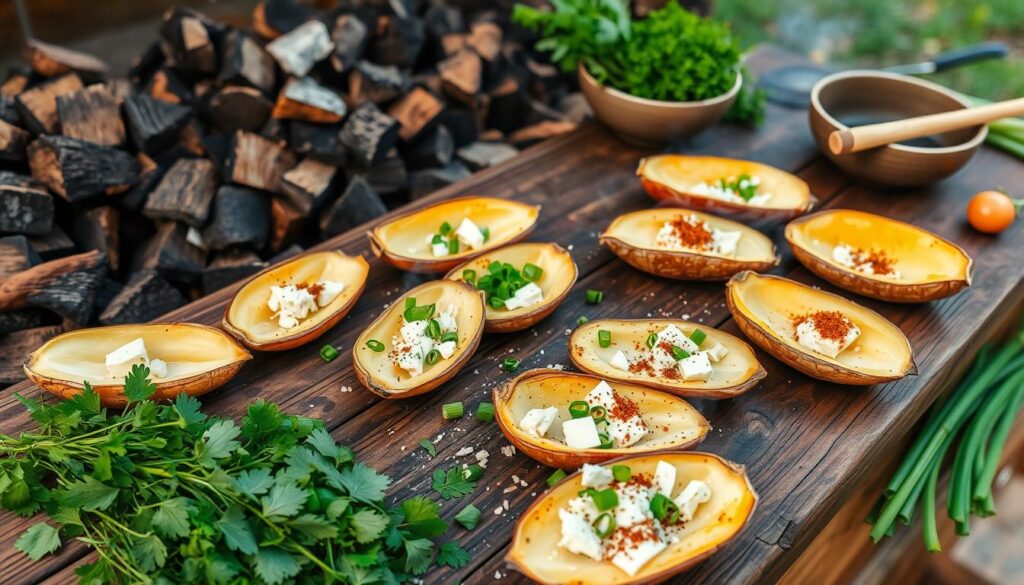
x: 874, y: 135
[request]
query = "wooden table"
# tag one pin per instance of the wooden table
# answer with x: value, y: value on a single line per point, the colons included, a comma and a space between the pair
x: 808, y: 446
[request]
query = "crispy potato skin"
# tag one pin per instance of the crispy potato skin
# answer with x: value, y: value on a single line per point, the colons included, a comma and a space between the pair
x: 665, y: 194
x: 681, y: 265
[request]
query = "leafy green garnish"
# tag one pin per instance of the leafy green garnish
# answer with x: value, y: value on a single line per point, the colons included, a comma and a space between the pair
x: 453, y: 483
x: 431, y: 449
x: 452, y: 555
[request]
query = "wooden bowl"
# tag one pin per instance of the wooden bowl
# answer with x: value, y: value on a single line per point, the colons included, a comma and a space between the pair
x: 650, y: 123
x: 854, y: 98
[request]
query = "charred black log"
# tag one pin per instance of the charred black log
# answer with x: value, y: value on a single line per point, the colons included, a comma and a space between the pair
x: 77, y: 170
x: 237, y: 107
x: 71, y: 295
x: 150, y: 174
x: 169, y: 252
x: 55, y: 244
x: 398, y: 41
x: 311, y: 185
x: 319, y: 141
x: 356, y: 206
x: 241, y: 217
x: 21, y: 319
x: 191, y: 40
x: 415, y: 112
x: 369, y: 82
x: 154, y: 124
x: 230, y: 267
x: 13, y: 141
x: 184, y: 193
x: 92, y: 114
x: 435, y: 149
x: 98, y: 229
x: 145, y: 297
x: 350, y: 36
x: 52, y: 60
x: 257, y: 162
x: 305, y: 99
x: 462, y: 125
x: 38, y: 105
x: 16, y: 255
x: 246, y: 63
x: 368, y: 133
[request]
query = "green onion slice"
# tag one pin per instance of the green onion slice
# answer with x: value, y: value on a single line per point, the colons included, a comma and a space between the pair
x: 605, y: 499
x: 604, y: 525
x: 496, y: 302
x: 606, y: 440
x: 328, y: 353
x: 419, y: 313
x: 698, y: 337
x: 486, y: 231
x: 509, y: 364
x: 664, y: 508
x: 437, y: 239
x: 433, y: 329
x: 446, y: 228
x: 621, y: 473
x: 652, y: 340
x: 604, y: 338
x: 473, y: 472
x: 556, y: 477
x: 469, y: 275
x: 452, y: 410
x: 594, y: 297
x: 485, y: 412
x: 453, y: 246
x: 579, y: 409
x: 410, y: 302
x: 598, y: 413
x: 433, y: 356
x: 450, y: 336
x: 582, y: 321
x: 532, y: 272
x: 679, y: 353
x: 375, y: 345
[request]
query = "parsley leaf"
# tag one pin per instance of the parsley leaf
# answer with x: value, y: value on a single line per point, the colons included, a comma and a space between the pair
x: 452, y: 483
x: 187, y: 408
x: 325, y: 444
x: 137, y: 386
x: 237, y: 532
x: 254, y: 482
x: 171, y: 517
x: 468, y: 516
x: 423, y: 517
x: 274, y: 565
x: 218, y: 442
x: 38, y: 541
x: 313, y: 527
x: 284, y: 499
x: 452, y: 555
x: 419, y: 554
x: 367, y: 525
x: 426, y: 444
x: 88, y: 494
x: 149, y: 552
x: 362, y: 483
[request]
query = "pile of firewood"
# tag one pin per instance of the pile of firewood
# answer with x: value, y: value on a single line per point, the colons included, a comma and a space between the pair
x: 225, y: 150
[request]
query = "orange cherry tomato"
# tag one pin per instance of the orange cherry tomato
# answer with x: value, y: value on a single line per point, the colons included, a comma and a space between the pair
x: 992, y: 211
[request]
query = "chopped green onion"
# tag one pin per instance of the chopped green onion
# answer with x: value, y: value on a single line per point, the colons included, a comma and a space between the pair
x: 594, y: 297
x: 496, y: 302
x: 679, y: 353
x: 598, y: 413
x: 468, y: 517
x: 473, y: 472
x: 509, y: 364
x: 433, y: 356
x: 582, y: 321
x: 604, y: 338
x: 446, y: 228
x: 604, y: 525
x: 419, y: 313
x: 698, y: 337
x: 431, y: 449
x: 328, y: 353
x: 495, y: 267
x: 605, y: 499
x: 664, y: 508
x: 437, y: 239
x: 433, y: 329
x: 486, y: 231
x: 606, y: 441
x: 410, y: 302
x: 375, y: 345
x: 556, y: 477
x: 450, y: 336
x: 485, y: 412
x: 652, y: 340
x: 469, y: 275
x: 532, y: 272
x: 621, y: 472
x: 453, y: 246
x: 451, y: 410
x: 579, y: 409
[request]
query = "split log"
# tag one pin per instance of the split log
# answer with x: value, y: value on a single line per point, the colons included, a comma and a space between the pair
x: 246, y: 63
x: 350, y: 36
x: 276, y: 130
x: 13, y: 141
x: 55, y: 244
x: 376, y: 83
x: 481, y: 155
x: 150, y: 174
x: 462, y: 76
x: 305, y: 99
x: 145, y: 297
x: 389, y: 177
x: 368, y: 133
x: 319, y: 141
x: 154, y: 124
x: 288, y: 224
x: 425, y: 182
x: 302, y: 48
x: 398, y: 41
x: 217, y: 147
x: 509, y: 106
x: 190, y: 41
x: 311, y: 185
x: 166, y: 86
x: 16, y: 82
x: 273, y: 18
x: 434, y: 149
x: 240, y: 217
x: 530, y: 135
x: 22, y: 319
x: 38, y: 105
x: 16, y: 255
x: 462, y: 125
x: 169, y: 252
x: 453, y: 43
x: 238, y: 107
x: 71, y: 295
x: 25, y: 210
x: 13, y: 179
x: 230, y: 267
x: 77, y: 170
x: 108, y: 289
x: 92, y: 114
x: 184, y: 193
x: 52, y: 60
x: 145, y: 64
x: 19, y: 344
x: 9, y: 111
x: 356, y: 206
x: 16, y: 289
x: 415, y: 112
x: 485, y: 39
x: 98, y: 229
x: 440, y: 20
x: 257, y: 162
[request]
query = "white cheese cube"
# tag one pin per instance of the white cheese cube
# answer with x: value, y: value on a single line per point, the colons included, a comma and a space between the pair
x: 595, y: 476
x: 447, y: 320
x: 602, y: 394
x: 446, y: 349
x: 469, y: 234
x: 808, y: 336
x: 291, y: 304
x: 674, y: 336
x: 578, y: 536
x: 694, y: 494
x: 584, y: 507
x: 526, y: 296
x: 158, y: 368
x: 696, y: 367
x: 665, y: 478
x: 408, y: 356
x: 633, y: 558
x: 725, y: 242
x: 120, y: 361
x: 329, y: 290
x: 634, y: 505
x: 439, y: 249
x: 537, y: 421
x: 717, y: 352
x: 620, y: 361
x: 581, y: 433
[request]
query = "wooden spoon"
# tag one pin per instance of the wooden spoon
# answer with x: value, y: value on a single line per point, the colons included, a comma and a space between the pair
x: 875, y: 135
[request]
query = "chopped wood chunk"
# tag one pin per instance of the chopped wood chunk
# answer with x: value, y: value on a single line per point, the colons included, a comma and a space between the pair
x: 238, y: 107
x: 273, y: 18
x: 52, y: 60
x: 350, y: 36
x: 146, y: 63
x: 485, y: 38
x: 368, y: 133
x: 38, y: 106
x: 388, y: 177
x: 452, y: 43
x: 145, y: 297
x: 76, y: 170
x: 241, y: 217
x: 440, y: 20
x: 92, y: 114
x: 425, y: 182
x: 534, y: 133
x: 55, y: 244
x: 398, y: 41
x: 165, y: 86
x: 190, y: 40
x: 433, y: 149
x: 319, y: 141
x: 19, y: 344
x: 415, y: 111
x: 9, y: 111
x: 150, y: 174
x: 257, y: 162
x: 169, y: 252
x: 311, y: 185
x: 21, y: 319
x: 302, y: 48
x: 509, y: 106
x: 461, y: 75
x: 230, y: 267
x: 16, y: 289
x: 154, y: 124
x: 305, y: 99
x: 376, y: 83
x: 71, y: 295
x: 98, y: 229
x: 14, y: 179
x: 185, y: 192
x: 13, y: 141
x: 16, y: 255
x: 15, y: 83
x: 356, y: 206
x: 246, y: 63
x: 462, y: 124
x: 288, y: 224
x: 481, y: 155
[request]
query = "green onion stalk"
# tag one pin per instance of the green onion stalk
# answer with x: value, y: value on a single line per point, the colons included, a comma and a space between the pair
x: 1006, y: 134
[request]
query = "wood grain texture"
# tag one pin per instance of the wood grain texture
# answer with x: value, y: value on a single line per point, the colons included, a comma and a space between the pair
x: 808, y: 446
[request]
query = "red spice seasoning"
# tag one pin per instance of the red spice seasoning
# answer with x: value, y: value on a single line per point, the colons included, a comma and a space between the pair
x: 829, y: 324
x: 878, y: 261
x: 628, y: 538
x: 691, y: 235
x: 624, y: 408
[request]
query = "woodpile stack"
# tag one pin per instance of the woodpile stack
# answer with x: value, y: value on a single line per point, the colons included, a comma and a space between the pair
x: 224, y: 149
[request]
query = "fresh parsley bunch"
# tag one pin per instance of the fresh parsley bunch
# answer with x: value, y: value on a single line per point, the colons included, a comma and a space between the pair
x: 165, y: 494
x: 671, y: 55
